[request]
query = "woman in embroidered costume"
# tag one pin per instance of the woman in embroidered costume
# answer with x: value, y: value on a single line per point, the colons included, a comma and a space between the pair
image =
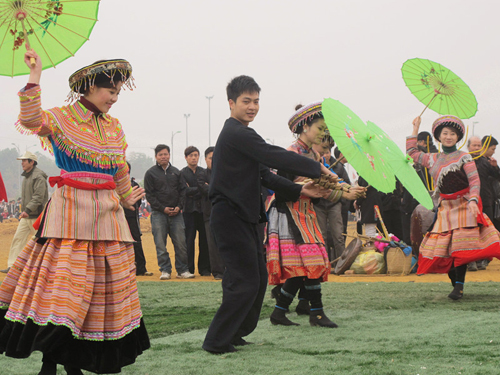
x: 296, y: 253
x: 461, y: 233
x: 72, y: 293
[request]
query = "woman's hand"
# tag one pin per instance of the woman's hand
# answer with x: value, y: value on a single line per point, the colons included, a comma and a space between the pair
x: 354, y: 193
x: 137, y: 193
x: 416, y: 125
x: 473, y: 208
x: 325, y: 170
x: 36, y: 70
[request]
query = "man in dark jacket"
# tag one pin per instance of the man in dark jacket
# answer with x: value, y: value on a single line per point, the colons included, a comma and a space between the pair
x: 193, y: 213
x: 238, y: 171
x: 165, y: 194
x: 34, y: 196
x: 216, y: 263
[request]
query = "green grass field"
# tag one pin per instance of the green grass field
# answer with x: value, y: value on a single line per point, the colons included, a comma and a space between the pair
x: 385, y: 328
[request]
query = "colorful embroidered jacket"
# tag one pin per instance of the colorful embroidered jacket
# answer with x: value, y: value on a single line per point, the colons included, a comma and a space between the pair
x: 81, y: 143
x: 78, y: 140
x: 451, y: 172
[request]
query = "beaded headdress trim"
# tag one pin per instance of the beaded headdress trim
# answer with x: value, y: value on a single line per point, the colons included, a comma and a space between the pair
x: 451, y: 121
x: 303, y: 115
x: 85, y: 77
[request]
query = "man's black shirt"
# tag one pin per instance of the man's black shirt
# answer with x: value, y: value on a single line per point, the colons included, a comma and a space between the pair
x: 238, y: 170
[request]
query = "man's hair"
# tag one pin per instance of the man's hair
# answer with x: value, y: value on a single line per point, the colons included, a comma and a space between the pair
x: 336, y: 152
x: 424, y: 136
x: 161, y: 147
x: 239, y: 85
x: 209, y: 150
x: 327, y: 138
x: 470, y: 140
x: 189, y: 150
x: 493, y: 141
x: 34, y: 162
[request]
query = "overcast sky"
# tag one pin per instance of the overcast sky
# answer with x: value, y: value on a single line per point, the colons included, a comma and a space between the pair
x: 298, y: 52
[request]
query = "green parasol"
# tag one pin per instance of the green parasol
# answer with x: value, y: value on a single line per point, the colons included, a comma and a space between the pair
x: 359, y: 145
x: 402, y: 167
x: 55, y: 29
x: 439, y: 88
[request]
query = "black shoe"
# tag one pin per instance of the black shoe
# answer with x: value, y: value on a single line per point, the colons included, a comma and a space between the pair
x: 218, y: 277
x: 303, y: 307
x: 146, y: 273
x: 278, y: 318
x: 205, y: 273
x: 5, y: 270
x: 458, y: 292
x: 48, y: 367
x: 72, y: 370
x: 319, y: 319
x: 240, y: 342
x: 230, y: 349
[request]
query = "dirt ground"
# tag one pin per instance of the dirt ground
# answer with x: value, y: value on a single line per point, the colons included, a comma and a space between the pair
x: 8, y: 228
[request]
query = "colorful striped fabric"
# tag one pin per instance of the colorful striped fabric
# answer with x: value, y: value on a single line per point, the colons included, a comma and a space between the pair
x: 88, y: 287
x: 78, y: 134
x: 287, y: 259
x: 93, y: 215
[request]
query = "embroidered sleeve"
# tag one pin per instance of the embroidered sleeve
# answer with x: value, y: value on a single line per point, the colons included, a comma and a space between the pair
x: 419, y: 157
x: 472, y: 175
x: 335, y: 196
x: 32, y: 119
x: 122, y: 180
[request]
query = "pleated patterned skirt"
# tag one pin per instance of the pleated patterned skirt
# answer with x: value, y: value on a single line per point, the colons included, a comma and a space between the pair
x: 76, y: 301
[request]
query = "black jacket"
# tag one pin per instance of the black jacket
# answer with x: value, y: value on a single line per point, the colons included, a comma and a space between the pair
x: 237, y: 170
x: 373, y: 197
x: 164, y: 188
x: 204, y: 185
x: 192, y: 192
x: 488, y: 174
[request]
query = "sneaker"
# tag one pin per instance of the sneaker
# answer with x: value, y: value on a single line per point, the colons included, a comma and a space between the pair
x: 145, y: 274
x: 5, y: 270
x: 165, y: 276
x: 185, y: 275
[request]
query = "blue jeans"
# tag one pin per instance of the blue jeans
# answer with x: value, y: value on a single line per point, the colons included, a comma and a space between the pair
x: 162, y: 225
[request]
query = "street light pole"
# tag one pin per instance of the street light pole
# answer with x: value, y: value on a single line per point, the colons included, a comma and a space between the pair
x: 473, y: 126
x: 172, y: 147
x: 209, y: 140
x: 186, y: 115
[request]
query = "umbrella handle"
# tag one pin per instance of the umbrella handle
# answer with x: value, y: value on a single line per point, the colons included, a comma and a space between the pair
x: 20, y: 17
x: 420, y: 115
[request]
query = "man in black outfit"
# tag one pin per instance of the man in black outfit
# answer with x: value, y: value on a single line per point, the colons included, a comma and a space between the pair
x: 216, y: 263
x: 193, y: 213
x: 132, y: 217
x: 239, y: 168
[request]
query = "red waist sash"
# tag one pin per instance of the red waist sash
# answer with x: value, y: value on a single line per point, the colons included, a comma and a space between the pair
x: 61, y: 181
x: 456, y: 195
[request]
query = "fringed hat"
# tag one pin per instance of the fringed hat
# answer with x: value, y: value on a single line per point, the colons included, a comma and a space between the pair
x: 451, y: 121
x: 304, y: 115
x: 100, y: 71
